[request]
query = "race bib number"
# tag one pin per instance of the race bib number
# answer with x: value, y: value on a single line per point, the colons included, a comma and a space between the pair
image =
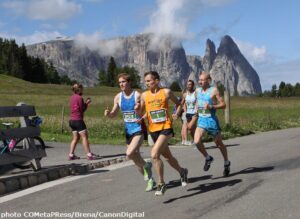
x: 158, y: 116
x: 204, y: 113
x: 201, y: 111
x: 190, y: 105
x: 129, y: 116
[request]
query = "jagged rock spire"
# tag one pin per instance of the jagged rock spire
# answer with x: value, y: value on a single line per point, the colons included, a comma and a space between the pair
x: 210, y: 55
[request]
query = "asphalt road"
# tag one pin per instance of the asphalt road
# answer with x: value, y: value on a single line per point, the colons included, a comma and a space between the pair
x: 264, y: 183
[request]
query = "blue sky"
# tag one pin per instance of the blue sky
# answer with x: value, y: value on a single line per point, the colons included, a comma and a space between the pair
x: 266, y: 31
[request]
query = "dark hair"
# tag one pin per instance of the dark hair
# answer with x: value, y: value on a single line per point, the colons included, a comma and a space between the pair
x: 76, y: 88
x: 125, y: 76
x: 154, y: 74
x: 192, y: 82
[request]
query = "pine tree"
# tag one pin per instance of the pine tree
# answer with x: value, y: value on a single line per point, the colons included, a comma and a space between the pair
x: 111, y: 73
x: 297, y: 89
x: 14, y: 61
x: 52, y: 74
x: 280, y: 89
x: 102, y: 78
x: 274, y: 91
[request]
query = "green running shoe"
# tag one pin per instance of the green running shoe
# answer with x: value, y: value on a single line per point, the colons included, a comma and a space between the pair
x: 147, y: 171
x: 150, y: 185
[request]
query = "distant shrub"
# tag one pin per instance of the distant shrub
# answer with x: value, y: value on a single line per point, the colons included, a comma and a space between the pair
x: 175, y: 86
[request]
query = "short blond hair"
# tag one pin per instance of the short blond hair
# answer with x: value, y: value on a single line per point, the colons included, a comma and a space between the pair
x: 207, y: 75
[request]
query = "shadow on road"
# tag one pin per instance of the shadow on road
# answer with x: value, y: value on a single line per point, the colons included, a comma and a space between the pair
x: 10, y: 170
x: 227, y: 145
x: 206, y: 187
x: 250, y: 170
x: 176, y: 183
x: 113, y: 155
x: 94, y: 171
x: 47, y: 146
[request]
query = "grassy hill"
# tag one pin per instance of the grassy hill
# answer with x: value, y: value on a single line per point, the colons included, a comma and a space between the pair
x: 249, y: 114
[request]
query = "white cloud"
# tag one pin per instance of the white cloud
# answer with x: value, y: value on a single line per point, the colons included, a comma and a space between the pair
x: 44, y: 9
x: 36, y: 37
x: 165, y: 21
x: 15, y: 5
x: 254, y: 54
x: 172, y: 18
x: 95, y: 41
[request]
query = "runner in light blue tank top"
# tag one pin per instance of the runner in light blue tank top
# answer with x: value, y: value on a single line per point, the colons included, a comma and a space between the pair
x: 208, y: 100
x: 129, y: 115
x: 207, y: 118
x: 128, y: 101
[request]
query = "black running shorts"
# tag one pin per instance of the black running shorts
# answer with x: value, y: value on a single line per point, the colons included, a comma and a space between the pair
x: 130, y: 137
x: 189, y: 117
x: 77, y: 125
x: 155, y: 135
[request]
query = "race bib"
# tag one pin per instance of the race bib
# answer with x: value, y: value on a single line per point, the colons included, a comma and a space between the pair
x: 129, y: 116
x: 158, y: 116
x: 190, y: 105
x: 201, y: 111
x: 204, y: 113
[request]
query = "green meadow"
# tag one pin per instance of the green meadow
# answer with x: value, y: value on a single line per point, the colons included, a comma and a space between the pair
x: 248, y: 114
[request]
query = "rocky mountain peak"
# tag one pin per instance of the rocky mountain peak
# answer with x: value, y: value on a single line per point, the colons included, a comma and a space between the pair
x: 210, y: 55
x: 146, y: 52
x: 233, y: 70
x: 228, y: 47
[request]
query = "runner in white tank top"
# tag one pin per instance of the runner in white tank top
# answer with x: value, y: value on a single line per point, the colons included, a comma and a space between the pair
x: 189, y: 104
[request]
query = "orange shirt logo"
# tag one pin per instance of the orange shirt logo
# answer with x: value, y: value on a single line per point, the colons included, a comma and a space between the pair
x: 155, y: 103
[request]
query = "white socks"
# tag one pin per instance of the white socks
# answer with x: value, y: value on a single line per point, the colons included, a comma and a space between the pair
x: 226, y: 162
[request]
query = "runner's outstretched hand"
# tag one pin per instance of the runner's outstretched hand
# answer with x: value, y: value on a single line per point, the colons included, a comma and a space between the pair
x: 174, y: 116
x: 106, y: 111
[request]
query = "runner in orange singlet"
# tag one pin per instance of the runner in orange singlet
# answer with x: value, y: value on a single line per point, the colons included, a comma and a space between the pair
x: 155, y: 103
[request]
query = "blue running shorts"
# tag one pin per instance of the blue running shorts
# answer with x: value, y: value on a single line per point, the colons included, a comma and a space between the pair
x: 210, y: 125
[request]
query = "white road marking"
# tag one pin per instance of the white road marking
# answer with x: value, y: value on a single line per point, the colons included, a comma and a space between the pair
x: 61, y: 181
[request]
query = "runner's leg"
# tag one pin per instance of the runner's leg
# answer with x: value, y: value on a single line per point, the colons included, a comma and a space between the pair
x: 183, y: 172
x: 155, y: 155
x: 221, y: 146
x: 198, y: 141
x: 184, y: 133
x: 133, y: 153
x: 192, y: 129
x: 208, y: 159
x: 85, y: 141
x: 75, y: 139
x: 170, y: 158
